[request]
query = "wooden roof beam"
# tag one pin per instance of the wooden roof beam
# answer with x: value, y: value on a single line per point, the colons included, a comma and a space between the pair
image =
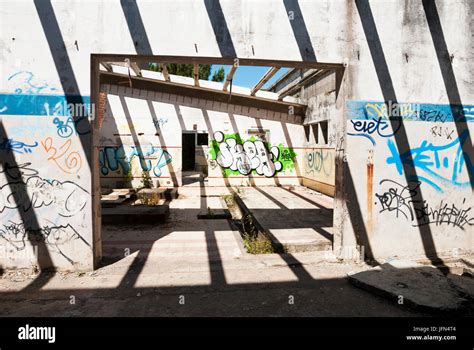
x: 196, y: 74
x: 136, y: 69
x: 164, y: 71
x: 229, y: 77
x: 266, y: 77
x: 203, y: 93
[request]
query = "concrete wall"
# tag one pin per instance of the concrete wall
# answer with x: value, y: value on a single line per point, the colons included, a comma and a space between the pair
x: 142, y: 131
x: 394, y: 50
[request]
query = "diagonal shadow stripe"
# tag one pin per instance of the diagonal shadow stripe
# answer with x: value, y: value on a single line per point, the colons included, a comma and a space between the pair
x: 220, y: 28
x: 300, y: 30
x: 28, y: 218
x: 136, y: 27
x: 63, y: 67
x: 450, y: 83
x: 401, y: 138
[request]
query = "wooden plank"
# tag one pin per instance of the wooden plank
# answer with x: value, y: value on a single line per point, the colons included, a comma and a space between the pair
x: 229, y: 77
x: 221, y: 61
x: 196, y: 74
x: 164, y: 71
x: 203, y: 93
x: 297, y: 84
x: 266, y: 77
x: 136, y: 69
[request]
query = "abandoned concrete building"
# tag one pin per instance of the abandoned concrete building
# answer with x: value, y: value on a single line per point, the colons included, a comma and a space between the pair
x: 369, y: 127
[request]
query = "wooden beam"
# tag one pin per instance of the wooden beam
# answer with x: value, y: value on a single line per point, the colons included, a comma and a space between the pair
x: 164, y: 71
x: 196, y: 74
x: 297, y: 84
x: 136, y: 69
x: 221, y: 61
x: 107, y: 66
x: 266, y: 77
x: 204, y: 93
x: 229, y: 77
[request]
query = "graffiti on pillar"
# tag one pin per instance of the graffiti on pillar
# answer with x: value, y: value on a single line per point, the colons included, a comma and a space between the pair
x: 397, y: 199
x: 25, y: 82
x: 119, y: 159
x: 236, y: 156
x: 21, y: 147
x: 437, y: 165
x: 69, y: 126
x: 63, y: 155
x: 66, y: 198
x: 16, y: 235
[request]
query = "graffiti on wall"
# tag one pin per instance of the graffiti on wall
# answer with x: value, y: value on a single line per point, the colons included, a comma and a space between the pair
x: 65, y: 158
x: 434, y: 161
x: 238, y: 157
x: 397, y: 199
x: 119, y: 159
x: 439, y: 159
x: 17, y: 235
x: 319, y: 161
x: 17, y: 171
x: 70, y: 127
x: 65, y: 198
x: 11, y: 145
x: 25, y: 82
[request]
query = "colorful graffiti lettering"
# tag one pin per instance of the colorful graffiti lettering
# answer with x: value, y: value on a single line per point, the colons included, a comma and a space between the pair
x: 366, y: 128
x: 71, y: 160
x: 432, y: 159
x: 70, y: 126
x: 120, y: 158
x: 17, y: 146
x: 26, y: 83
x: 252, y: 155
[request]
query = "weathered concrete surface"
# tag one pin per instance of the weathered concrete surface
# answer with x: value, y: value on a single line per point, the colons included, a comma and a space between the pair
x: 418, y: 286
x: 158, y: 193
x: 136, y: 214
x: 149, y: 269
x: 296, y: 220
x: 257, y: 286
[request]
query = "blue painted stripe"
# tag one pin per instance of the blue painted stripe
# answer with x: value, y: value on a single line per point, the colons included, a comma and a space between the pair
x: 39, y: 105
x: 427, y: 112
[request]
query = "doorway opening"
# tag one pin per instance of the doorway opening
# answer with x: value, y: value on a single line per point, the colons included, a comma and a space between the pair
x: 194, y: 161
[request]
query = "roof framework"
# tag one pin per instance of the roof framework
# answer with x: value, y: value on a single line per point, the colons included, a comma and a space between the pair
x: 134, y: 62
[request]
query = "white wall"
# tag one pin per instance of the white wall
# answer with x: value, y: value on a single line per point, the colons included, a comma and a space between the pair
x: 56, y: 51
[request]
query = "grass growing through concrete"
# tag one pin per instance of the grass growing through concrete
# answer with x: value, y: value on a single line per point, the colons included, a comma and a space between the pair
x: 254, y: 241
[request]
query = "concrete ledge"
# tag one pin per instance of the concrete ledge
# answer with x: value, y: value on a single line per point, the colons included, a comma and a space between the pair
x: 136, y: 214
x: 420, y: 287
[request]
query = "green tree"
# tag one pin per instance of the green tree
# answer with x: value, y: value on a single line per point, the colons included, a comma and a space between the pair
x: 187, y: 70
x: 219, y: 75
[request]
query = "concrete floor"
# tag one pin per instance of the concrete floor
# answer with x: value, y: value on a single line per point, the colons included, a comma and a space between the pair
x: 191, y: 267
x: 297, y: 218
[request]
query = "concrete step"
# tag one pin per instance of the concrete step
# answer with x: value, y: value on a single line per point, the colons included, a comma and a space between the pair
x: 135, y: 214
x: 283, y: 228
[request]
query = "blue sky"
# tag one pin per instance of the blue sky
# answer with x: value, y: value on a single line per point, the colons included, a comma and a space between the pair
x: 248, y: 76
